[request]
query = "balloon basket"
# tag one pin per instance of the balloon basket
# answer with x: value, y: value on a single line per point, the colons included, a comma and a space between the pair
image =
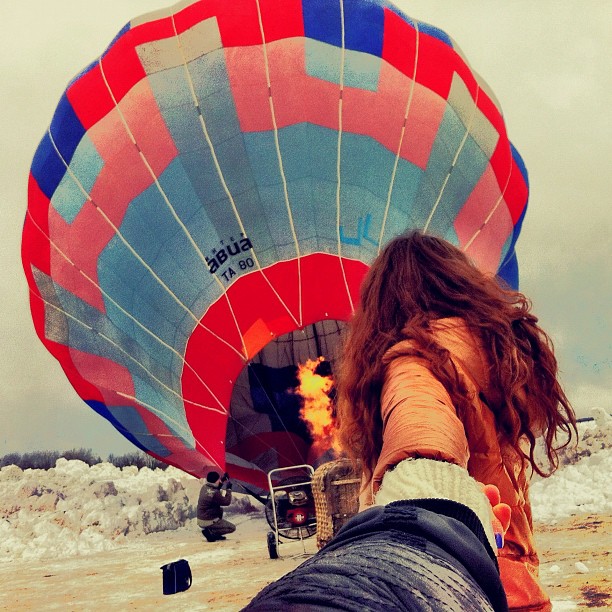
x: 335, y: 490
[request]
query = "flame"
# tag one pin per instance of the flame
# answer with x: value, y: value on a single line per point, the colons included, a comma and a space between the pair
x: 317, y: 411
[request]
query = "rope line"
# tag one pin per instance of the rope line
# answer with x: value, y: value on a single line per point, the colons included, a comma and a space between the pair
x: 455, y: 158
x: 125, y: 312
x: 339, y: 151
x: 126, y: 354
x: 281, y: 167
x: 399, y: 147
x: 492, y: 211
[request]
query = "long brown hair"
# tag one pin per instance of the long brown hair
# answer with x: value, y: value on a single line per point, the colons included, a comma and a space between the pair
x: 415, y: 280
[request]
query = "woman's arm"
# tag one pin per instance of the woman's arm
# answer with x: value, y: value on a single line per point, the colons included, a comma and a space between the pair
x: 429, y: 479
x: 419, y: 419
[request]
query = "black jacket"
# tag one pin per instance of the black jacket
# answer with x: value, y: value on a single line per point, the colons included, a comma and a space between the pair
x: 412, y: 555
x: 210, y: 501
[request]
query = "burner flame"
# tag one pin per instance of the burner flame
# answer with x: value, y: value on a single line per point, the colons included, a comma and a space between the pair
x: 317, y: 411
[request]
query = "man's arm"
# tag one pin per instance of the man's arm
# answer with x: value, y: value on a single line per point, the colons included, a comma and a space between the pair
x: 226, y: 495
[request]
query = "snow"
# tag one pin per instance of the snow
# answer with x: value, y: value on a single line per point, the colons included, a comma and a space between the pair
x: 73, y: 510
x: 583, y: 487
x: 584, y: 483
x: 581, y: 567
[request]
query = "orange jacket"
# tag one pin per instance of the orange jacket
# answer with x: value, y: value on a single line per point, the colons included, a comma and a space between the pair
x: 419, y: 420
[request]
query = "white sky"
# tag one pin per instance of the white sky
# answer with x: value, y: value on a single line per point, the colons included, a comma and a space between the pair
x: 548, y: 63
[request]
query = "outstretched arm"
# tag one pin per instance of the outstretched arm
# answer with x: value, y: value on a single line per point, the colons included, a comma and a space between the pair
x: 419, y: 419
x: 430, y: 479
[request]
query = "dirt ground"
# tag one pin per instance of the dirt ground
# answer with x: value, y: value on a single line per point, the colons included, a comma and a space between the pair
x: 226, y: 575
x: 584, y: 539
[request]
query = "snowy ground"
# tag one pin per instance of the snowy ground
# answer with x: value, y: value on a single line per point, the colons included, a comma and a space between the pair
x: 77, y: 537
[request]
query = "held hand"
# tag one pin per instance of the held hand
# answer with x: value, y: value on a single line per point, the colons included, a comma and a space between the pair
x: 501, y: 513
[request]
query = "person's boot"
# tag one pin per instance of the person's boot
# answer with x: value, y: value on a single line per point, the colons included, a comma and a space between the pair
x: 208, y: 535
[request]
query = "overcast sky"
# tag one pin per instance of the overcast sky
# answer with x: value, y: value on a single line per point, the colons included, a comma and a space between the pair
x: 548, y: 63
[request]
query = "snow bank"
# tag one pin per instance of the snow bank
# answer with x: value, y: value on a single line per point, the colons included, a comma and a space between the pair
x: 74, y: 509
x: 584, y: 482
x: 583, y: 487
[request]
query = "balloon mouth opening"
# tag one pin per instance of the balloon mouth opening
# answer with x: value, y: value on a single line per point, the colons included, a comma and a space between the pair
x: 282, y: 404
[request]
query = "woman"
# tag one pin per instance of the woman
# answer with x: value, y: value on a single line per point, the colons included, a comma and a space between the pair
x: 443, y: 363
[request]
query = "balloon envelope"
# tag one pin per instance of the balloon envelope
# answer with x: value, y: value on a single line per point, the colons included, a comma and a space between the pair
x: 211, y: 191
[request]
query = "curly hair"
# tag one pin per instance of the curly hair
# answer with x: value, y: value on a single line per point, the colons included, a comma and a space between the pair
x: 417, y: 279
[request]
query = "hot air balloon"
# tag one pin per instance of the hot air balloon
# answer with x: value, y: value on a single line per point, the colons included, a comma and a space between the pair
x: 211, y: 191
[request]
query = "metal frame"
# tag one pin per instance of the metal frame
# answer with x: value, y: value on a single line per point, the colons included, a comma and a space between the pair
x: 309, y: 473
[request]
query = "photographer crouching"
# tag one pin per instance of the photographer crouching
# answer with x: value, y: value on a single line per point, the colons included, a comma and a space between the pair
x: 216, y: 493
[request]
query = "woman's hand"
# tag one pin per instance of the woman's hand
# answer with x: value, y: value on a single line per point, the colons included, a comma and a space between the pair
x: 501, y: 513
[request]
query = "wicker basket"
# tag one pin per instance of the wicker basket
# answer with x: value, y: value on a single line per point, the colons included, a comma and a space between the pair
x: 335, y: 488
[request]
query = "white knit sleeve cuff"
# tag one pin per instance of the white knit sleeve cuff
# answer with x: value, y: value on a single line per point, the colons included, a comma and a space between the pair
x: 430, y: 479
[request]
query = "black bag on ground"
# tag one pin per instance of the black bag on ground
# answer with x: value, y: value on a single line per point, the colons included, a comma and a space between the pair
x: 176, y: 576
